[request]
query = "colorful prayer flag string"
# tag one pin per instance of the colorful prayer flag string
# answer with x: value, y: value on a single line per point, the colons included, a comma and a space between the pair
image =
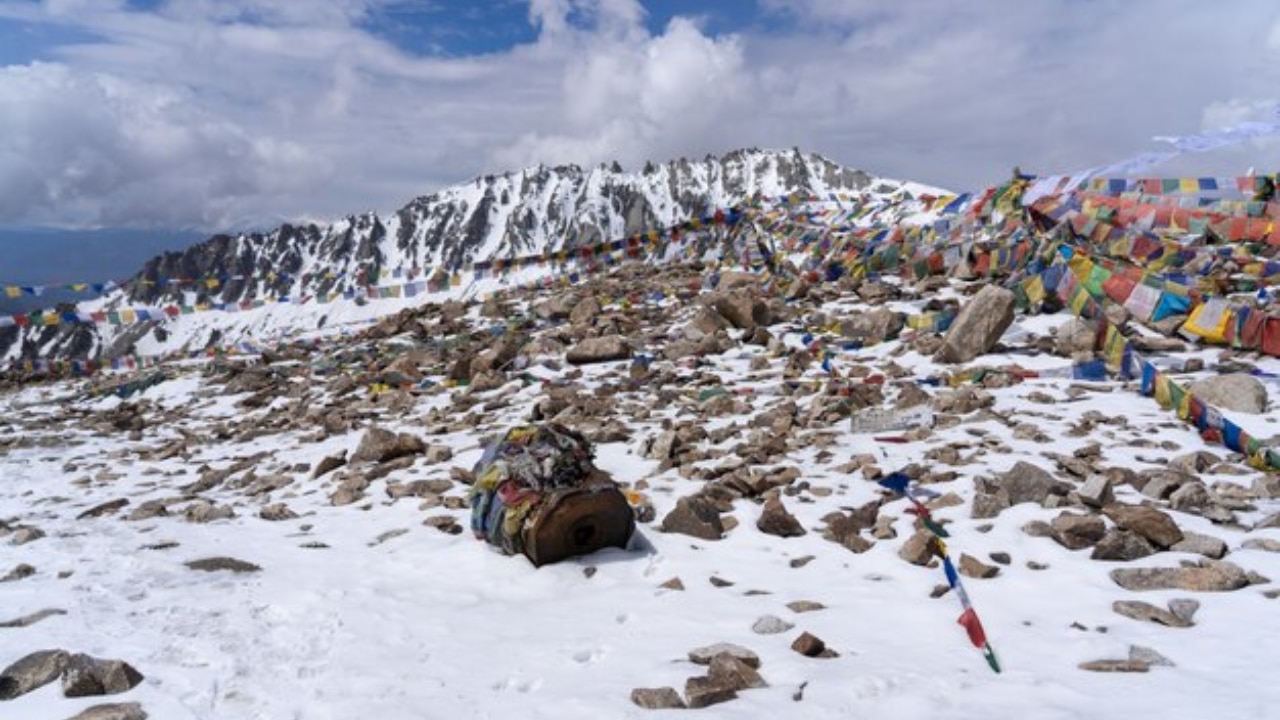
x: 900, y: 484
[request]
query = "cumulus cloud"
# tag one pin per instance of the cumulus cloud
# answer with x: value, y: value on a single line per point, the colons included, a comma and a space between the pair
x: 222, y: 114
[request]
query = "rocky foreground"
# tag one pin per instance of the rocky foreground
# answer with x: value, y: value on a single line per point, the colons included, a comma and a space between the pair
x: 749, y: 427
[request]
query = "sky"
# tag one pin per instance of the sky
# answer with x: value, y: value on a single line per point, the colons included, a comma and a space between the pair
x: 218, y: 115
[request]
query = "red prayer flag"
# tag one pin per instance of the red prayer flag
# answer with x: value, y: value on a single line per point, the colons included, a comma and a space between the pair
x: 972, y: 625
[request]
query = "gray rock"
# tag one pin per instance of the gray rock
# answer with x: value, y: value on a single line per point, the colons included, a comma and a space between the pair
x: 1122, y: 545
x: 599, y: 349
x: 730, y: 672
x: 1026, y: 482
x: 32, y: 619
x: 989, y: 505
x: 775, y: 520
x: 1210, y: 576
x: 663, y: 698
x: 380, y: 445
x: 1074, y: 337
x: 329, y: 464
x: 1141, y: 654
x: 1206, y: 545
x: 804, y: 606
x: 27, y: 534
x: 112, y: 711
x: 1076, y: 532
x: 979, y: 325
x: 86, y: 675
x: 32, y: 672
x: 970, y: 566
x: 877, y: 326
x: 1145, y: 611
x: 1115, y: 666
x: 1097, y: 491
x: 1148, y: 522
x: 1237, y: 392
x: 696, y: 516
x: 1184, y: 608
x: 105, y: 508
x: 214, y: 564
x: 1160, y: 483
x: 771, y: 625
x: 703, y: 692
x: 1265, y: 544
x: 743, y: 309
x: 1270, y: 521
x: 704, y: 655
x: 20, y: 571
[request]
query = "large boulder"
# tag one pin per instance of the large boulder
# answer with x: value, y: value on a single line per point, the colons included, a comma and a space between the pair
x: 599, y: 349
x: 1236, y: 392
x: 743, y: 309
x: 979, y: 325
x: 873, y: 327
x: 380, y: 445
x: 31, y: 672
x: 1209, y: 576
x: 1074, y: 337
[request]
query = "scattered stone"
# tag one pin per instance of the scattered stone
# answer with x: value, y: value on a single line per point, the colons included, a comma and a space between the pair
x: 105, y: 508
x: 31, y: 672
x: 728, y: 671
x: 203, y: 511
x: 1145, y: 611
x: 86, y: 676
x: 27, y: 534
x: 1148, y: 522
x: 1115, y: 666
x: 328, y: 464
x: 214, y: 564
x: 771, y: 625
x: 775, y: 520
x: 437, y: 454
x: 1141, y: 654
x: 801, y: 561
x: 1266, y: 544
x: 32, y: 619
x: 1206, y: 545
x: 277, y: 512
x: 1076, y: 532
x: 704, y: 655
x: 1097, y: 491
x: 917, y: 549
x: 673, y: 584
x: 812, y: 646
x: 973, y: 567
x: 978, y: 326
x: 703, y: 692
x: 662, y: 698
x: 19, y: 572
x: 599, y: 349
x: 1184, y: 608
x: 1236, y: 392
x: 804, y: 606
x: 1122, y: 545
x: 112, y: 711
x: 696, y: 516
x: 1209, y: 576
x: 1027, y: 482
x: 380, y: 445
x: 1002, y: 558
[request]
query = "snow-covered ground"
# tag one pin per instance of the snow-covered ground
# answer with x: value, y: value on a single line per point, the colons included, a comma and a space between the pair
x: 363, y: 611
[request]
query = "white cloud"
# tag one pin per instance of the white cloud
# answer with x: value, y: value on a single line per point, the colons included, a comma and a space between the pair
x: 225, y: 113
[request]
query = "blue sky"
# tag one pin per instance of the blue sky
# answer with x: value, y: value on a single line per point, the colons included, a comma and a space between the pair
x: 230, y: 114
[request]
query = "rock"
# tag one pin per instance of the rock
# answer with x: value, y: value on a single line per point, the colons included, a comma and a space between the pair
x: 1114, y: 666
x: 775, y: 520
x: 276, y: 512
x: 1236, y: 392
x: 112, y: 711
x: 703, y: 692
x: 1210, y: 576
x: 1184, y: 608
x: 1265, y: 544
x: 1074, y: 337
x: 584, y: 311
x: 1138, y: 653
x: 917, y: 549
x: 743, y: 309
x: 1122, y: 545
x: 657, y: 698
x: 973, y: 567
x: 439, y: 453
x: 203, y: 511
x: 673, y: 584
x: 730, y: 672
x: 1026, y: 482
x: 771, y: 625
x: 663, y: 446
x: 19, y: 572
x: 696, y: 516
x: 599, y: 349
x: 1001, y: 557
x: 1160, y: 483
x: 989, y: 505
x: 1270, y: 521
x: 1206, y: 545
x: 214, y: 564
x: 105, y: 508
x: 379, y: 445
x: 1076, y: 532
x: 804, y: 606
x: 32, y: 672
x: 1144, y: 611
x: 27, y: 534
x: 1097, y: 491
x: 1191, y: 497
x: 978, y: 327
x: 1148, y: 522
x: 328, y: 464
x: 85, y: 676
x: 873, y: 327
x: 32, y: 619
x: 811, y: 645
x: 704, y: 655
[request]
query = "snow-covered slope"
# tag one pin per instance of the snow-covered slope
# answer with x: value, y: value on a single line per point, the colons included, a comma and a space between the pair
x: 521, y: 213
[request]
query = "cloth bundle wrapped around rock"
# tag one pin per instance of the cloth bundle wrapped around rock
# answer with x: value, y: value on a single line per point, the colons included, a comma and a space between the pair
x: 538, y: 493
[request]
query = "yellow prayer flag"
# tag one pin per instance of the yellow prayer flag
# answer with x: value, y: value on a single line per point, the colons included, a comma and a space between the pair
x: 1189, y: 185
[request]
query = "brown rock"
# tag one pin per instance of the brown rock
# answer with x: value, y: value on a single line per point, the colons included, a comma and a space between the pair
x: 599, y: 349
x: 979, y: 325
x: 1148, y: 522
x: 1138, y: 610
x: 1075, y: 532
x: 775, y: 520
x: 31, y: 672
x: 975, y: 568
x: 213, y: 564
x: 87, y: 675
x: 1115, y: 666
x: 703, y: 692
x: 704, y: 655
x: 379, y: 445
x: 696, y: 516
x: 812, y: 646
x: 112, y: 711
x: 1122, y: 545
x: 1209, y: 576
x: 657, y: 698
x: 728, y: 671
x: 916, y: 550
x: 105, y: 508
